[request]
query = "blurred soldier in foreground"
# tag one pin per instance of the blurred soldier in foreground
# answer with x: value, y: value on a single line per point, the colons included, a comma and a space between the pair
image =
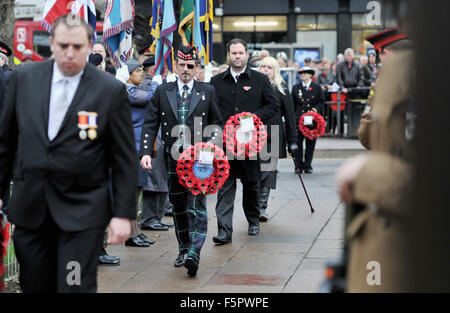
x: 377, y: 182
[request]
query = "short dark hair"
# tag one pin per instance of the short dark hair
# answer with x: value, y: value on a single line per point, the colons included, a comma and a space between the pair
x: 236, y: 41
x: 75, y: 21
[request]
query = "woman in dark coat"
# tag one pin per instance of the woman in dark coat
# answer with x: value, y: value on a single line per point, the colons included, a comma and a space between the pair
x: 286, y: 130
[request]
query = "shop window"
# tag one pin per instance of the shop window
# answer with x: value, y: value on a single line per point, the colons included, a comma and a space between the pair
x: 306, y: 22
x: 238, y: 23
x: 326, y: 21
x: 270, y: 23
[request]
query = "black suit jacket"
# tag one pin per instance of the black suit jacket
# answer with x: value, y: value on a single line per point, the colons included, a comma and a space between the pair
x: 260, y: 99
x: 67, y: 175
x: 306, y: 100
x: 163, y: 110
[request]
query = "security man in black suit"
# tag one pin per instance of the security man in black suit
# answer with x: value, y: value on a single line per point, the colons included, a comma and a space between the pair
x: 307, y: 96
x: 65, y: 135
x: 184, y: 109
x: 241, y: 89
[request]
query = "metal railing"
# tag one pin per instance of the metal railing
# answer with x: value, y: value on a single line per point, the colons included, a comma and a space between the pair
x: 343, y: 117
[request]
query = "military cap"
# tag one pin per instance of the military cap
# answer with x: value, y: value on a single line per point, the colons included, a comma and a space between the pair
x: 5, y: 49
x: 187, y: 53
x: 385, y: 37
x: 306, y: 69
x: 95, y: 59
x: 149, y: 61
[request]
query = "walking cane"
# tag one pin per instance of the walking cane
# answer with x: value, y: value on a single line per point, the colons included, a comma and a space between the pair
x: 299, y: 175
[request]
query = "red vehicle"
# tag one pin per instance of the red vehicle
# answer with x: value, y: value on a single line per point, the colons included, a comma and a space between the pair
x: 29, y: 35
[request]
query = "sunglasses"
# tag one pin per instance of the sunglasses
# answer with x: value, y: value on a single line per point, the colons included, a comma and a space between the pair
x: 189, y: 66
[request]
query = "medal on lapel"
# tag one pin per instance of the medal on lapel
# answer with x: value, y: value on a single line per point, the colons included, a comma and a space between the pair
x: 300, y: 93
x: 92, y: 124
x: 83, y: 124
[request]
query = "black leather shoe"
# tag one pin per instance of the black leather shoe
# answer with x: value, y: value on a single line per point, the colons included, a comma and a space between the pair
x: 108, y: 260
x: 168, y: 212
x: 192, y: 266
x: 136, y: 242
x: 253, y: 230
x: 146, y: 239
x: 155, y: 226
x: 170, y: 225
x: 181, y: 259
x: 308, y: 171
x: 221, y: 239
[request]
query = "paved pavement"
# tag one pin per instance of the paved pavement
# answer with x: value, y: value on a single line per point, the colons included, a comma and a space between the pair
x: 288, y: 255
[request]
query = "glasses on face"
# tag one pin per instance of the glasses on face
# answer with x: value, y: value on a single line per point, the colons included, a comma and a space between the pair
x: 189, y: 66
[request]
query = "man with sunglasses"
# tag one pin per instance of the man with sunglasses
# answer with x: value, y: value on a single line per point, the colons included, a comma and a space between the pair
x: 183, y: 108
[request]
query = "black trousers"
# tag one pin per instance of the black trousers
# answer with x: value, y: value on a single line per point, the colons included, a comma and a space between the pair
x: 53, y: 260
x: 153, y: 206
x: 305, y: 162
x: 225, y: 204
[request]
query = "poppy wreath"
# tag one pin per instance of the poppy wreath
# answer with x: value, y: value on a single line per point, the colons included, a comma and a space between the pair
x: 251, y: 148
x: 315, y: 131
x: 210, y: 184
x: 4, y: 239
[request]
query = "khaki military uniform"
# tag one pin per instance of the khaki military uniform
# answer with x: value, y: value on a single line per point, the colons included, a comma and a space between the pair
x: 366, y: 119
x: 379, y: 232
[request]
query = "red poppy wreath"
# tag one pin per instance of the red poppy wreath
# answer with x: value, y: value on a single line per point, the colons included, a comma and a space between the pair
x: 241, y: 142
x: 314, y: 131
x: 202, y: 178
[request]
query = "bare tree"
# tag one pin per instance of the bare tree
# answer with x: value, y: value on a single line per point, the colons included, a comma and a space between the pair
x: 7, y: 18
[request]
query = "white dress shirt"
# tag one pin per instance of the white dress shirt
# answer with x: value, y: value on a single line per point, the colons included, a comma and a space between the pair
x: 181, y: 84
x: 57, y: 89
x: 306, y: 86
x: 234, y: 74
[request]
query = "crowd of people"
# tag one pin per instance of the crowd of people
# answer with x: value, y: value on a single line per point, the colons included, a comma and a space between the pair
x: 117, y: 162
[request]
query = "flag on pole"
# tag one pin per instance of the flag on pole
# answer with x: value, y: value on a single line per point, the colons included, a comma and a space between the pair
x: 86, y: 10
x: 198, y: 41
x: 56, y: 8
x: 206, y: 27
x: 166, y: 24
x: 186, y: 18
x: 117, y: 30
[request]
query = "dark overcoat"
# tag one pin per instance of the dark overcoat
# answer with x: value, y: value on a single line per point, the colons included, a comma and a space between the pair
x: 252, y: 93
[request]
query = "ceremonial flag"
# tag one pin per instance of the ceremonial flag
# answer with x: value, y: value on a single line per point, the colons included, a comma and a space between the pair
x: 167, y: 23
x: 56, y: 8
x: 86, y: 10
x: 206, y: 28
x: 198, y: 42
x: 117, y: 30
x: 186, y: 17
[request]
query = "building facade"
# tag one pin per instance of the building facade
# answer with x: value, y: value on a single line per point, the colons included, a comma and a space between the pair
x: 326, y: 27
